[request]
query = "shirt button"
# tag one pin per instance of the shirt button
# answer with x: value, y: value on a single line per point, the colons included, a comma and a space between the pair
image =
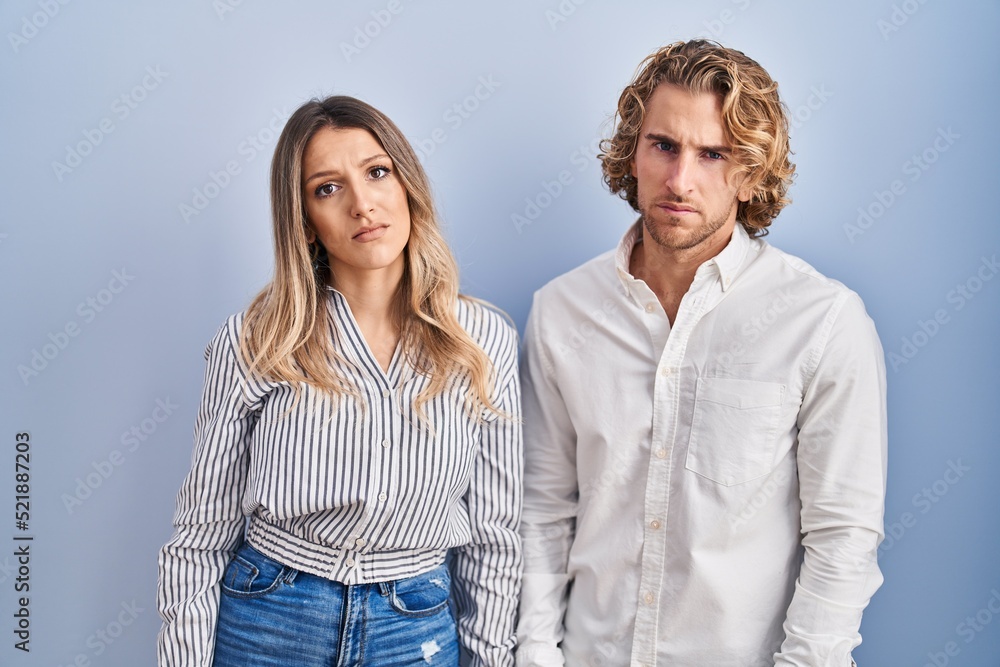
x: 650, y: 307
x: 385, y: 393
x: 661, y: 453
x: 654, y: 524
x: 360, y: 542
x: 648, y: 598
x: 349, y: 562
x: 385, y: 443
x: 665, y: 371
x: 382, y: 497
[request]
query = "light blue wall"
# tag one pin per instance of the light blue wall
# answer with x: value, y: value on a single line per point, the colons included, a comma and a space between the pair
x: 886, y: 81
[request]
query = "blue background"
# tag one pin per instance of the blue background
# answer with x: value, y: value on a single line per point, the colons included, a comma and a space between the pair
x: 870, y: 84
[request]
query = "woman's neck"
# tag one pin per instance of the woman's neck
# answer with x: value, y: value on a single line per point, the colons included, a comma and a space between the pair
x: 371, y: 296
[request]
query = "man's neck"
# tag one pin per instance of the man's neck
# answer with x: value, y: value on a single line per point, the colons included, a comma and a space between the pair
x: 669, y: 272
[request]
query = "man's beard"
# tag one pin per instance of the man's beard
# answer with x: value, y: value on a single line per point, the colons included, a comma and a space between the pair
x: 675, y: 237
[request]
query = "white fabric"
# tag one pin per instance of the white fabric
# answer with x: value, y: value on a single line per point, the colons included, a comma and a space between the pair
x: 706, y: 494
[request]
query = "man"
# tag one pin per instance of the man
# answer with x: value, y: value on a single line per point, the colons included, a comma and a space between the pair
x: 705, y: 439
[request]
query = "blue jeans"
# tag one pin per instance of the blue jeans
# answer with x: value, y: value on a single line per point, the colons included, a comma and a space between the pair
x: 271, y: 615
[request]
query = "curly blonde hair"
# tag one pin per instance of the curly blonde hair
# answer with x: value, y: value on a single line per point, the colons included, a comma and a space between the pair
x: 753, y: 116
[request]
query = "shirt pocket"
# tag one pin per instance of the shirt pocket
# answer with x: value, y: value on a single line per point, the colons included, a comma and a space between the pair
x: 733, y: 429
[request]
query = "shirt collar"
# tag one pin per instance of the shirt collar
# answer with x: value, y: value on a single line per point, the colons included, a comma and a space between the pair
x: 727, y: 262
x: 623, y: 255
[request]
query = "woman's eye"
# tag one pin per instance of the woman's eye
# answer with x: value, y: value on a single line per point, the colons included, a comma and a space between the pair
x: 378, y: 173
x: 326, y: 190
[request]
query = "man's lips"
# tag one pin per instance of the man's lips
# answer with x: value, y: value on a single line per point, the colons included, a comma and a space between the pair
x: 679, y: 209
x: 366, y: 234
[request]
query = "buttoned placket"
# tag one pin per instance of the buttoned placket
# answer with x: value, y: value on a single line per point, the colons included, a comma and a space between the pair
x: 381, y: 493
x: 386, y: 431
x: 669, y: 345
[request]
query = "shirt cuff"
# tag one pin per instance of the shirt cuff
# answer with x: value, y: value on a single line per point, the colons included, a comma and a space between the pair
x: 536, y: 654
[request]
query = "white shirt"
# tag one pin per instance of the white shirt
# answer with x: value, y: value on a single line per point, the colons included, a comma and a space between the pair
x: 358, y: 491
x: 708, y: 494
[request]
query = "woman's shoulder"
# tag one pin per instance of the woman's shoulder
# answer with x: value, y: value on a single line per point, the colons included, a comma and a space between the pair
x: 227, y: 336
x: 489, y: 326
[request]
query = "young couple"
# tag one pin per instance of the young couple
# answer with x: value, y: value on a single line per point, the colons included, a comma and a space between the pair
x: 702, y: 480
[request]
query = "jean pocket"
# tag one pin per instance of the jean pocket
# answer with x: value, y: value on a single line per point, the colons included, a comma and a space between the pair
x: 252, y: 574
x: 733, y: 429
x: 422, y: 595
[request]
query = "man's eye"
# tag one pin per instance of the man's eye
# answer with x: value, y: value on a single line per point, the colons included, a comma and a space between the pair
x: 714, y: 156
x: 664, y: 146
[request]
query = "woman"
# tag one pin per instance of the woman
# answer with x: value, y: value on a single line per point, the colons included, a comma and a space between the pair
x: 359, y: 420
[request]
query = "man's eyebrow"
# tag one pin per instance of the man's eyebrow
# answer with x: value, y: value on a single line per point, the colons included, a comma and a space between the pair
x: 367, y: 160
x: 722, y: 150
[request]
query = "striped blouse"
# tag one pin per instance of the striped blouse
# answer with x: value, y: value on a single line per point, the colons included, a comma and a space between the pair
x: 357, y: 491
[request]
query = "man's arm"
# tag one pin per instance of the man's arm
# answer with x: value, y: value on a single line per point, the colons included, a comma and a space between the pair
x: 842, y: 468
x: 550, y: 503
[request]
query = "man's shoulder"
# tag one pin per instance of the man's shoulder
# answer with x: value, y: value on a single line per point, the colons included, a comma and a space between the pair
x: 811, y: 290
x: 796, y: 272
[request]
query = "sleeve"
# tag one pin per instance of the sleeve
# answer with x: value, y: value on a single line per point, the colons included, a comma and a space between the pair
x: 842, y: 447
x: 208, y: 522
x: 550, y: 505
x: 487, y: 571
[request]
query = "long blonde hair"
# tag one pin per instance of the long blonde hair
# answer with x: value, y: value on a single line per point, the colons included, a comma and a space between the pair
x: 285, y: 335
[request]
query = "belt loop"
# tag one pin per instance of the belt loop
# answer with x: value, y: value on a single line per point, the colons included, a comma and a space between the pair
x: 384, y: 588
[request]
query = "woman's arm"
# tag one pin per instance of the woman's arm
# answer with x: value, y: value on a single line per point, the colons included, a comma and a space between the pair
x: 208, y: 522
x: 487, y: 571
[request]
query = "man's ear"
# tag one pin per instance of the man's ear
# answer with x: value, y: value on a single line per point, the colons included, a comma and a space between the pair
x: 745, y: 191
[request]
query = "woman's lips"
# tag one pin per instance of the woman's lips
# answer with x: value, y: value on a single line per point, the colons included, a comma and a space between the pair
x: 370, y: 233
